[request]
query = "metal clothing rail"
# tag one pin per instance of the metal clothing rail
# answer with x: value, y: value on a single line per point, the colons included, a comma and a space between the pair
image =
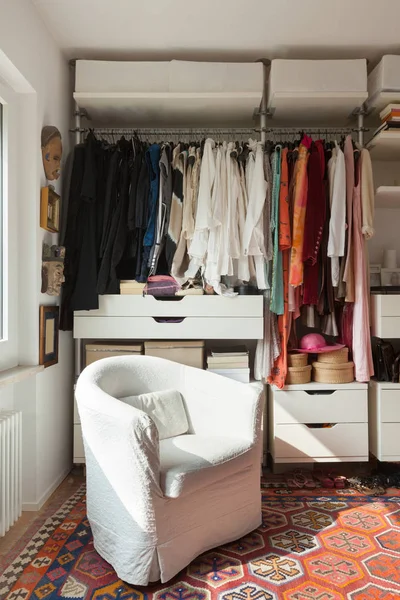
x: 262, y: 130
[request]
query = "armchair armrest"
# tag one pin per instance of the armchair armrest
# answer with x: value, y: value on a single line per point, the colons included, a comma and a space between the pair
x: 217, y: 405
x: 121, y: 441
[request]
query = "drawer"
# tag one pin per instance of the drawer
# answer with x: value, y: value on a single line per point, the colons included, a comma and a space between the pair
x: 388, y: 327
x: 390, y: 441
x: 320, y: 406
x: 187, y: 306
x: 343, y: 440
x: 389, y: 305
x: 205, y: 328
x: 79, y: 451
x: 390, y: 406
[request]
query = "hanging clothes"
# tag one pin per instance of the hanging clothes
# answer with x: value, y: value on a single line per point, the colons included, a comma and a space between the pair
x: 198, y: 247
x: 253, y: 236
x: 279, y: 370
x: 314, y: 222
x: 175, y: 221
x: 277, y: 304
x: 337, y: 225
x: 299, y: 213
x: 181, y: 258
x: 362, y: 353
x: 348, y: 276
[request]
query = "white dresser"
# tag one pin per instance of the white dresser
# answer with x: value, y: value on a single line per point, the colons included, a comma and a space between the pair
x: 384, y: 397
x: 138, y: 318
x: 296, y: 415
x: 384, y: 420
x: 201, y: 317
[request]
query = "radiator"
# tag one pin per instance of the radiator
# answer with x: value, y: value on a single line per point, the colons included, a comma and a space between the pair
x: 10, y: 469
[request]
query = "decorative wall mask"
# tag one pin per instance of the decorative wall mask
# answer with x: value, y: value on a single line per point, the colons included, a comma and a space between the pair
x: 52, y: 269
x: 51, y: 152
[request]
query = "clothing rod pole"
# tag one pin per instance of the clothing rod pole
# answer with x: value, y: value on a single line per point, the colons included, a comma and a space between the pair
x: 360, y: 126
x: 170, y: 131
x: 263, y: 113
x: 77, y: 115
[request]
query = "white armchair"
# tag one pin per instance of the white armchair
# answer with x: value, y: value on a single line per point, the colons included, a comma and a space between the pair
x: 155, y: 505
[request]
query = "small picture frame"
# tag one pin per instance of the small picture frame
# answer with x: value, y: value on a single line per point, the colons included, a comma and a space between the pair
x: 49, y: 209
x: 375, y: 275
x: 48, y: 338
x: 390, y: 277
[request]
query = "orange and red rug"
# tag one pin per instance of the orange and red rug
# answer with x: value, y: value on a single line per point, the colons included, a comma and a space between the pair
x: 338, y: 546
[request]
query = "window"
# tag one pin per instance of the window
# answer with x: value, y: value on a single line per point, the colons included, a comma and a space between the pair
x: 2, y: 316
x: 8, y: 227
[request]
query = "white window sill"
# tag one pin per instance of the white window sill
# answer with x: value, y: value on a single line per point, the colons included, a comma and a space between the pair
x: 17, y: 374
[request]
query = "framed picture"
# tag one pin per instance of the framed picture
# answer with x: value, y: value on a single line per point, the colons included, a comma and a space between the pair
x: 48, y: 342
x: 49, y: 209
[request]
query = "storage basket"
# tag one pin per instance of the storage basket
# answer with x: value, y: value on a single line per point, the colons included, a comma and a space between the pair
x: 336, y: 357
x: 298, y: 374
x: 297, y: 359
x: 333, y: 372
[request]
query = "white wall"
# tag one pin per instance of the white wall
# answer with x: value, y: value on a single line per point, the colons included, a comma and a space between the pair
x: 32, y: 64
x: 387, y: 221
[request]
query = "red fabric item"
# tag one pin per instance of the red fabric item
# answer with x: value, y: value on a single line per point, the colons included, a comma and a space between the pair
x: 314, y: 223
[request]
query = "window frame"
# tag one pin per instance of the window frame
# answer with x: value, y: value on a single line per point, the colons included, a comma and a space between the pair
x: 9, y: 228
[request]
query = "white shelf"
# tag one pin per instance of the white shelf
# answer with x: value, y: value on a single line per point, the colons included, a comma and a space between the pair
x: 387, y: 196
x: 329, y: 108
x: 170, y: 109
x: 385, y: 145
x: 379, y: 102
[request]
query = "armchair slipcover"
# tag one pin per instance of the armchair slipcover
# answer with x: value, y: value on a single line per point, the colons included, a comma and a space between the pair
x: 154, y: 506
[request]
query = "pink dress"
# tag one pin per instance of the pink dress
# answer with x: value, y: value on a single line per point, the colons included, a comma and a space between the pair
x: 362, y: 353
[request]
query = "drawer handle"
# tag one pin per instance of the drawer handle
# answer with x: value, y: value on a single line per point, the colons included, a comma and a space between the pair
x: 168, y: 319
x: 167, y: 298
x: 320, y: 425
x: 319, y: 392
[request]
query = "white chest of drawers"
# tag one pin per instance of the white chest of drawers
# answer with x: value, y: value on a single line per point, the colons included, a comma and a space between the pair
x: 384, y: 420
x: 144, y: 318
x: 297, y: 413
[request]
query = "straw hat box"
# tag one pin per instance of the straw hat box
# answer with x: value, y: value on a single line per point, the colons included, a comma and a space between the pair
x: 297, y: 359
x: 299, y: 374
x: 338, y: 356
x: 333, y: 372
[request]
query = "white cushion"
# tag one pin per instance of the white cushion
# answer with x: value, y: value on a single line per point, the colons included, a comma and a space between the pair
x: 165, y: 408
x: 185, y: 461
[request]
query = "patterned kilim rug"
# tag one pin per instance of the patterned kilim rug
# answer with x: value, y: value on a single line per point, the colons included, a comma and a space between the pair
x: 309, y: 547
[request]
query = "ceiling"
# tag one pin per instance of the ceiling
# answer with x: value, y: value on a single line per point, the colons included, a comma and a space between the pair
x: 223, y: 29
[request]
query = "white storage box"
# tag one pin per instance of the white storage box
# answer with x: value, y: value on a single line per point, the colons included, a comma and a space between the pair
x: 103, y: 76
x: 384, y: 78
x: 169, y: 76
x: 242, y: 375
x: 317, y: 76
x: 312, y: 89
x: 190, y: 353
x: 190, y: 76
